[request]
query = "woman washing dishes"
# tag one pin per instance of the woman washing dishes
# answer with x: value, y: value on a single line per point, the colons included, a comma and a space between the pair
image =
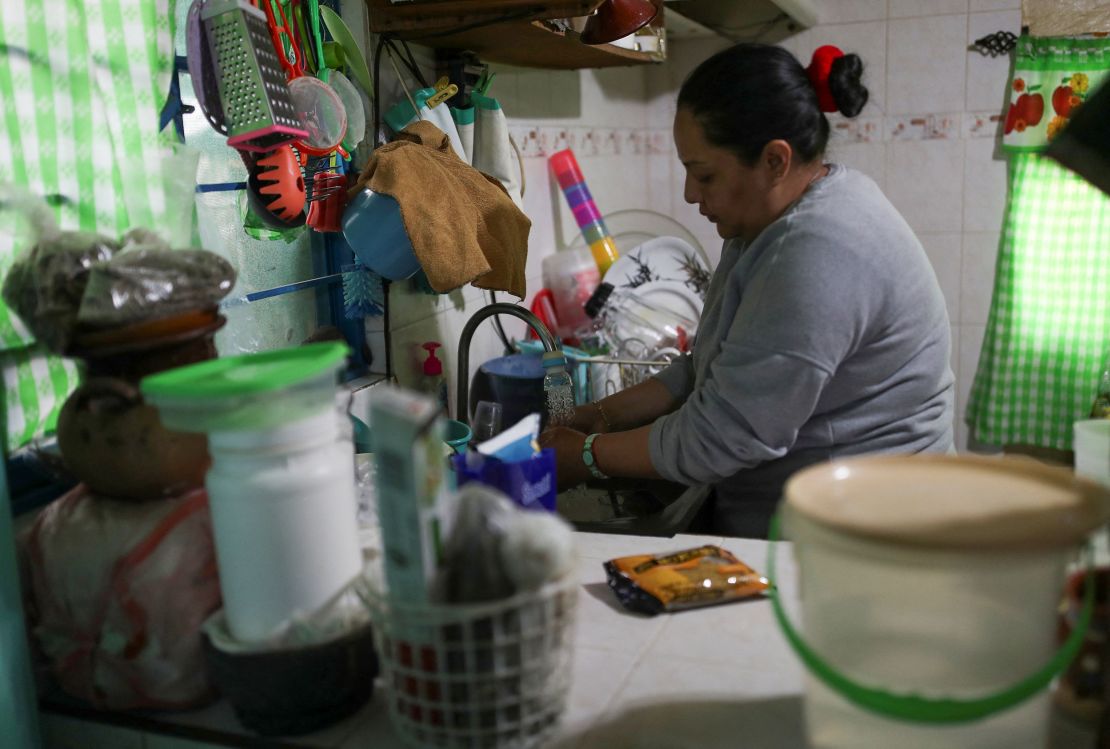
x: 824, y: 332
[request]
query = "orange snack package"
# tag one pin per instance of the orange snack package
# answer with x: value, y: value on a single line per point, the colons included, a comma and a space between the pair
x: 707, y: 575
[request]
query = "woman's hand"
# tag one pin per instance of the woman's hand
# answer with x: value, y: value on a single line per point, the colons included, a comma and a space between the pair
x: 588, y: 419
x: 570, y: 469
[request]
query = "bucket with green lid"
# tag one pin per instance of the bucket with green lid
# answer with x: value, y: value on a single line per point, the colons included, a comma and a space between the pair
x: 929, y: 588
x: 252, y: 392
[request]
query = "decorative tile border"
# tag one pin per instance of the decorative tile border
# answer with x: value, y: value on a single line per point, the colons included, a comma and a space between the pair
x: 981, y: 124
x: 924, y: 127
x: 540, y: 141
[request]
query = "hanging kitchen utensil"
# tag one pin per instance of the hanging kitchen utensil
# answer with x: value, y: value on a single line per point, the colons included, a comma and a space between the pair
x: 325, y: 209
x: 276, y: 188
x: 259, y: 112
x: 323, y: 115
x: 201, y: 69
x: 352, y: 104
x: 355, y: 61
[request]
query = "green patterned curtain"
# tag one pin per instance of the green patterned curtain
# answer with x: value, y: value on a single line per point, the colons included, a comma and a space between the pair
x: 82, y: 84
x: 1048, y: 334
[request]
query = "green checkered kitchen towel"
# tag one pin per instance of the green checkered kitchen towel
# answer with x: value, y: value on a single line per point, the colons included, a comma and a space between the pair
x: 82, y: 84
x: 1048, y: 334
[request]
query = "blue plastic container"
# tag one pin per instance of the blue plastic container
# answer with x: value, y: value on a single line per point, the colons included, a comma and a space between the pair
x: 373, y: 228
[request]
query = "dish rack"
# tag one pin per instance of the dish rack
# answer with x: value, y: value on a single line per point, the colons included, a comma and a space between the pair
x: 629, y: 367
x: 477, y: 676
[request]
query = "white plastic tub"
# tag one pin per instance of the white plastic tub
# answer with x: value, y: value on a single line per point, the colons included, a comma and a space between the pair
x: 936, y: 577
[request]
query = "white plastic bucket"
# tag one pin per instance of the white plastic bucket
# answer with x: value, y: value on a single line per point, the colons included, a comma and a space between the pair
x: 284, y: 517
x: 929, y: 590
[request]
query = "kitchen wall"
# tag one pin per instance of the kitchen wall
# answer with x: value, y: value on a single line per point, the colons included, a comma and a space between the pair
x: 928, y: 137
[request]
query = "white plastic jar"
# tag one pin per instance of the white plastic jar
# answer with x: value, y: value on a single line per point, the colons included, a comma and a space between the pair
x: 284, y: 516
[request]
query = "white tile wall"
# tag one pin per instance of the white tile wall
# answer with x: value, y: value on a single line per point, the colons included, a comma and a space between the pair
x: 984, y: 170
x: 979, y: 257
x: 978, y: 5
x: 926, y: 72
x: 943, y: 250
x: 910, y: 8
x: 924, y: 180
x: 849, y: 11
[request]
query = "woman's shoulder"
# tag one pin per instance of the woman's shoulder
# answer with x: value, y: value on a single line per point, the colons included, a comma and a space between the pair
x: 849, y: 211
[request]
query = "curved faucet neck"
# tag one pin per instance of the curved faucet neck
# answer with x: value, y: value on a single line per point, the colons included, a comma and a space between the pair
x: 462, y: 397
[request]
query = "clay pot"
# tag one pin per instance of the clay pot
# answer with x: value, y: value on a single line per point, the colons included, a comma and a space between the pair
x: 111, y: 439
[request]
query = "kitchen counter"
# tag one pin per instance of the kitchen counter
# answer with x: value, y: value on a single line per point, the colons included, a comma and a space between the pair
x: 709, y: 678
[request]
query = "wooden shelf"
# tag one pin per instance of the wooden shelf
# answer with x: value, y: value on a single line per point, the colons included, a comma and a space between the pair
x: 533, y: 45
x: 522, y: 42
x: 438, y: 15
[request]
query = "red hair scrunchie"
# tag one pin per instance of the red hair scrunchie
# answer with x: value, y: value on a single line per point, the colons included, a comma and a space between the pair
x: 818, y: 71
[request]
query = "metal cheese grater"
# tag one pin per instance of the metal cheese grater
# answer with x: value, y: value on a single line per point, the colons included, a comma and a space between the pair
x: 255, y: 98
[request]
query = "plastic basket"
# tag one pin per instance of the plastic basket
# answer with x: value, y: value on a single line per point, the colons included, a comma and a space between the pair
x: 482, y: 676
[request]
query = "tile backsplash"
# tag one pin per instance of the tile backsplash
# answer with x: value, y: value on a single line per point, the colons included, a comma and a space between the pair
x: 928, y: 137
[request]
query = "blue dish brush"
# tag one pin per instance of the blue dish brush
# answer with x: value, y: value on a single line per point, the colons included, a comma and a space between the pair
x: 363, y: 293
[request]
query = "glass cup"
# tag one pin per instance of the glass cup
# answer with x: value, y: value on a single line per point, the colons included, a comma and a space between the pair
x: 487, y: 421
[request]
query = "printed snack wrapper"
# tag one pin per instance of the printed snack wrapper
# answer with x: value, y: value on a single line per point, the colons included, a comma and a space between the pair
x: 706, y: 575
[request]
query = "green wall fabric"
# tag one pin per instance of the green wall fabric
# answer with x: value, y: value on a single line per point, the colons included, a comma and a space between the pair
x: 1048, y: 334
x: 83, y: 83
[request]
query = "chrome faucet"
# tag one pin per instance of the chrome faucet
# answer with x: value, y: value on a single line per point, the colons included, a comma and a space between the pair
x: 498, y: 308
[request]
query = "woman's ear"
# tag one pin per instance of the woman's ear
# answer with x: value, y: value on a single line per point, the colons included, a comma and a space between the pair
x: 776, y: 159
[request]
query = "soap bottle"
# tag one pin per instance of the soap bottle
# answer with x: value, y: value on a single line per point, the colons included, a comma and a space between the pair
x: 434, y: 383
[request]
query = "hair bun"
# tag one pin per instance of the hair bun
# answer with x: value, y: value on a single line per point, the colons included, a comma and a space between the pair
x: 846, y: 86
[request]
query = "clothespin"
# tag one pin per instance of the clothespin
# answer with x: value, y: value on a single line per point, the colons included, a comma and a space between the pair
x: 444, y: 91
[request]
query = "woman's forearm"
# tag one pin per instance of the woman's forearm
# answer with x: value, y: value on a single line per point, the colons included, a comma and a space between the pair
x: 626, y: 454
x: 638, y: 406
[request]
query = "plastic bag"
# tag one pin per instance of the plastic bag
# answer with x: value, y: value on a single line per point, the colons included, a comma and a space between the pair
x: 149, y: 280
x: 46, y: 285
x: 118, y: 592
x: 471, y: 567
x: 495, y: 549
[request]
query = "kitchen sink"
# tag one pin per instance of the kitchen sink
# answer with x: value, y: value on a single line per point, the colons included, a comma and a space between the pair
x: 645, y: 508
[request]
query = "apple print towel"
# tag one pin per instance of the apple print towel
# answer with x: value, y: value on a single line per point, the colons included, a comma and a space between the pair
x: 1053, y: 76
x: 1048, y: 333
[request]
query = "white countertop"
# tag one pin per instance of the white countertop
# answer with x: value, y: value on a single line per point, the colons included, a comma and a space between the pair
x: 709, y: 678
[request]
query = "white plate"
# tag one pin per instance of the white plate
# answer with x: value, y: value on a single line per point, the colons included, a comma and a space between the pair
x: 660, y: 259
x: 672, y: 296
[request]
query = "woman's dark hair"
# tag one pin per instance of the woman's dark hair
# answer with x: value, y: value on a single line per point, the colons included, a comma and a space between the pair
x: 750, y: 94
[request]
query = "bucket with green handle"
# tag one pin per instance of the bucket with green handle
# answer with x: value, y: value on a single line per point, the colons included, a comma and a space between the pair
x: 929, y: 588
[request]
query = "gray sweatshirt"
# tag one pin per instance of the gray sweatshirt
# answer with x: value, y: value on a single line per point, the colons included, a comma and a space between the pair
x: 826, y: 336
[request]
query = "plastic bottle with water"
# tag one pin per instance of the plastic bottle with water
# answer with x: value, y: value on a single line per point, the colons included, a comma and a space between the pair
x: 558, y: 389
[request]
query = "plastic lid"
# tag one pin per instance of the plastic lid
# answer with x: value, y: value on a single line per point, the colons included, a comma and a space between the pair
x: 249, y: 374
x: 955, y: 502
x: 432, y: 365
x: 554, y: 359
x: 598, y: 299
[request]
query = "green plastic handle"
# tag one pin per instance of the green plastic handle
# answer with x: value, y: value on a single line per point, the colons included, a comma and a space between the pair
x: 913, y: 708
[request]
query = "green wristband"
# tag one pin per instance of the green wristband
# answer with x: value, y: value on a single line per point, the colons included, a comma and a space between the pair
x: 589, y: 459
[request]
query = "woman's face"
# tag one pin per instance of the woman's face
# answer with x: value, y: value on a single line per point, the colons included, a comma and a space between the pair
x: 731, y: 194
